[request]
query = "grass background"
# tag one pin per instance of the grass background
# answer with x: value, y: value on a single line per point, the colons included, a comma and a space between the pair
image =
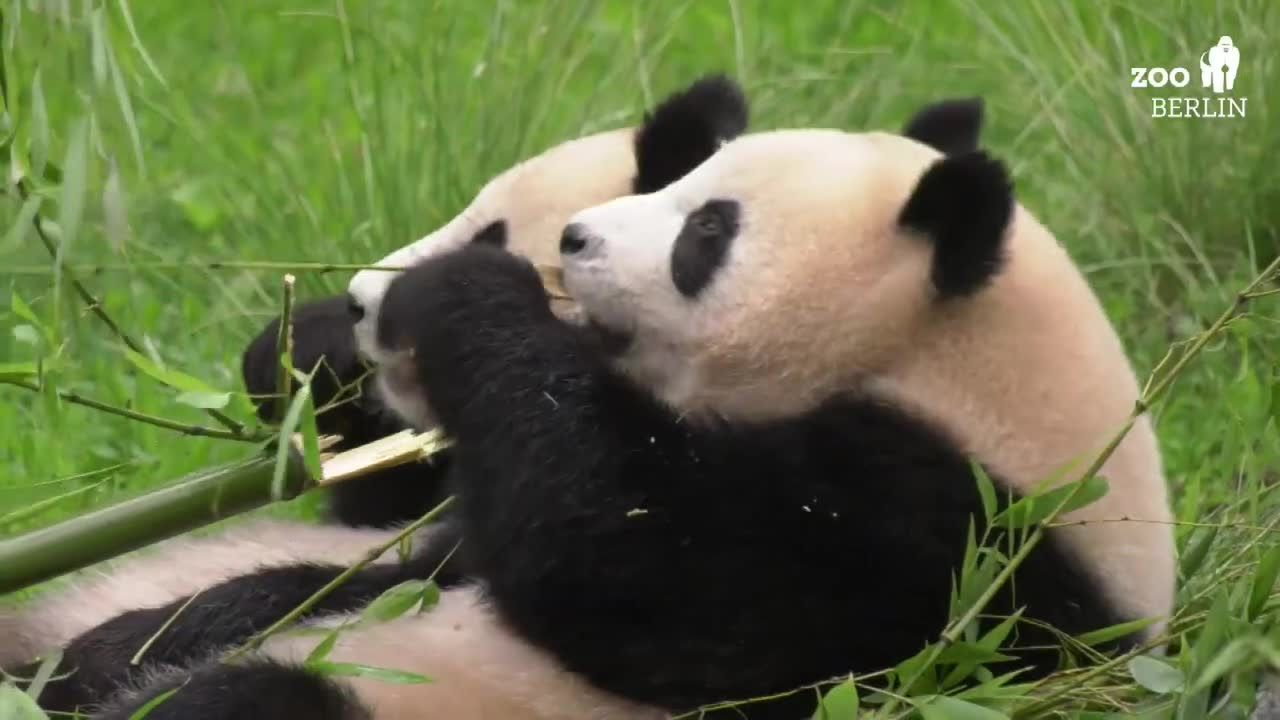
x: 307, y: 130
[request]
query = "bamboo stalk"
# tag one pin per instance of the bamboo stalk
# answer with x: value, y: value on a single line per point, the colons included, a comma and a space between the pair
x: 550, y: 274
x: 195, y: 501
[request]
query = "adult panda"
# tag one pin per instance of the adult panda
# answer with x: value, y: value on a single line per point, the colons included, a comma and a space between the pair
x: 522, y: 210
x: 753, y: 472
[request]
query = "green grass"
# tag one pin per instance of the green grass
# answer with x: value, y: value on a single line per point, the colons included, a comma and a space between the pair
x: 310, y: 131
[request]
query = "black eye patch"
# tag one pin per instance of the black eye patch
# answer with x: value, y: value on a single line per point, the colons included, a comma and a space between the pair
x: 703, y: 245
x: 495, y: 234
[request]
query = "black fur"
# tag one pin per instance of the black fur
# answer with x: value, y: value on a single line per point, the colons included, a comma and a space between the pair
x: 678, y: 564
x: 253, y: 690
x: 963, y: 203
x: 702, y: 246
x: 951, y: 126
x: 97, y: 664
x: 322, y: 337
x: 495, y: 234
x: 686, y: 129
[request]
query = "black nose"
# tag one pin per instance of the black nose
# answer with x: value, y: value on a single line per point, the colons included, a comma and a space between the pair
x: 354, y: 309
x: 573, y: 240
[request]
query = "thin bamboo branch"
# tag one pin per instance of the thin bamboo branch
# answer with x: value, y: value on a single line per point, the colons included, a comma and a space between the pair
x: 373, y: 554
x: 95, y: 306
x: 550, y: 274
x: 284, y: 345
x: 156, y: 420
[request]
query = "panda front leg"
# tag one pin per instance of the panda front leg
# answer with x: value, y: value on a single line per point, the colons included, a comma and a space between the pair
x: 100, y: 661
x: 257, y: 689
x: 607, y: 530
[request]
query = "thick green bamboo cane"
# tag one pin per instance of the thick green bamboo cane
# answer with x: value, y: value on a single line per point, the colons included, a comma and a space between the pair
x: 194, y: 501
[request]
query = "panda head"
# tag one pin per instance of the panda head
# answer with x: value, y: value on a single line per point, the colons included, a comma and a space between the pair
x: 792, y: 265
x: 525, y: 208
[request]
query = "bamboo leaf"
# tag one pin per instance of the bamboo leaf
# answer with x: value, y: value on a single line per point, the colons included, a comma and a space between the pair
x: 1197, y: 551
x: 986, y: 490
x: 205, y: 400
x: 115, y: 217
x: 321, y: 651
x: 941, y: 707
x: 398, y: 677
x: 137, y: 43
x: 39, y: 127
x: 126, y: 110
x: 1156, y: 676
x: 840, y: 703
x: 430, y: 596
x: 287, y: 429
x: 1035, y: 509
x: 19, y: 370
x: 24, y: 311
x: 98, y: 43
x: 308, y: 430
x: 1107, y: 634
x: 18, y: 233
x: 17, y: 705
x: 26, y: 334
x: 154, y: 703
x: 394, y: 602
x: 167, y: 376
x: 1264, y: 582
x: 75, y: 185
x: 1230, y: 658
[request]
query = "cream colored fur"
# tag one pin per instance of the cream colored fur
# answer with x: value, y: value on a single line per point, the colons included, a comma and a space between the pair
x: 167, y: 571
x: 480, y: 670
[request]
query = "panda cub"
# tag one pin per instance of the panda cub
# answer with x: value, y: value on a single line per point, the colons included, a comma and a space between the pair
x: 237, y: 582
x: 751, y: 471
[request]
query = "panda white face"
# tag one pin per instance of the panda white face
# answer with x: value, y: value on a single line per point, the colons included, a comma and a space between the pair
x: 525, y: 208
x: 522, y: 210
x: 771, y: 277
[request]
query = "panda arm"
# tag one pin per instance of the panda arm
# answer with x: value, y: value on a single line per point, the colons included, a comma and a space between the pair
x: 598, y: 518
x: 257, y: 689
x: 323, y: 341
x: 99, y: 661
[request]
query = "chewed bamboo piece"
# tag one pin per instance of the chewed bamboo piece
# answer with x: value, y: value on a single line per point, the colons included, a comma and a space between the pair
x: 553, y: 280
x: 393, y: 450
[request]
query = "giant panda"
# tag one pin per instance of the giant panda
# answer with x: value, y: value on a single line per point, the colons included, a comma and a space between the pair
x: 120, y: 605
x: 749, y: 468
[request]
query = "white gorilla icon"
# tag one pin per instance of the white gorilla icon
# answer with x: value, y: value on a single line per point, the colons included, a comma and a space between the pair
x: 1218, y: 65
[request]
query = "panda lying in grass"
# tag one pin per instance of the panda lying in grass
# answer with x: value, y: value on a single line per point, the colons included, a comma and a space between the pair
x: 748, y: 469
x: 523, y: 210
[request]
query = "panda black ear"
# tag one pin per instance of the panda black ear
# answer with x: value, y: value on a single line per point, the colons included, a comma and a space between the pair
x: 321, y: 331
x: 687, y: 128
x: 949, y: 126
x: 963, y: 203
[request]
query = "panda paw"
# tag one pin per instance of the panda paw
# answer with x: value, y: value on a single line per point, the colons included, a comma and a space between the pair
x: 461, y: 298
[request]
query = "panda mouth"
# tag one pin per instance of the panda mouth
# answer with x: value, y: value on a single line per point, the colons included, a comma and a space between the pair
x: 609, y: 340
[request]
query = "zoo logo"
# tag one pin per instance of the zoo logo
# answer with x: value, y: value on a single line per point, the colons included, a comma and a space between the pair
x: 1218, y: 67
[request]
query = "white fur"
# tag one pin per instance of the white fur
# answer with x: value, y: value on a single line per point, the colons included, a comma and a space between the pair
x: 535, y: 198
